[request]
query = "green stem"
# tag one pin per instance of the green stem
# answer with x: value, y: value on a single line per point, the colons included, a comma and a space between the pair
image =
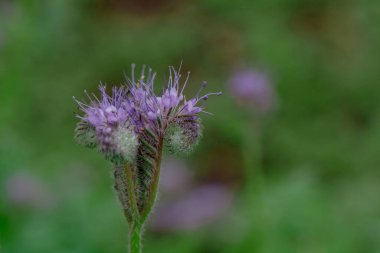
x: 134, y: 239
x: 252, y: 157
x: 139, y: 217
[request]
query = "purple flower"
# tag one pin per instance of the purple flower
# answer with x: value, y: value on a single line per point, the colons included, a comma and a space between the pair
x: 147, y: 109
x: 108, y: 118
x: 135, y: 108
x: 24, y: 190
x: 253, y: 88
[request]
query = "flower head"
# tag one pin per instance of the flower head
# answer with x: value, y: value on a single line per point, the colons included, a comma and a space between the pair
x: 106, y: 122
x: 160, y: 114
x: 133, y: 112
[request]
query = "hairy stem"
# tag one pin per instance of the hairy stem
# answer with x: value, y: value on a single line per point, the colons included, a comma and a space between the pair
x: 153, y: 192
x: 120, y: 187
x: 132, y: 194
x: 134, y: 238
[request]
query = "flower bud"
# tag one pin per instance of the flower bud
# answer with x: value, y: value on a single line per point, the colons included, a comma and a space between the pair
x: 183, y: 136
x: 85, y: 134
x: 125, y: 142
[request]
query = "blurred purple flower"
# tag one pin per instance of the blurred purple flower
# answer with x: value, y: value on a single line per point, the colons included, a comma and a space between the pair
x: 201, y: 206
x: 175, y: 176
x: 251, y: 87
x: 23, y: 190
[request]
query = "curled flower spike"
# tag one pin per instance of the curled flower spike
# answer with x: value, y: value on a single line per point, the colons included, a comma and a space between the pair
x: 106, y: 122
x: 131, y: 127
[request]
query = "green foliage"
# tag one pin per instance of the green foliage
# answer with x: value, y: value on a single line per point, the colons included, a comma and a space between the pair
x: 319, y: 151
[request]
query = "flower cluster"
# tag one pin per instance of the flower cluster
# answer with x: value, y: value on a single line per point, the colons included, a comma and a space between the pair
x: 131, y: 127
x: 105, y: 124
x: 116, y: 123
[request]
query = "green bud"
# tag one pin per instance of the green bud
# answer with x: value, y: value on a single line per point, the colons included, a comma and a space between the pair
x: 126, y: 143
x: 180, y: 139
x: 85, y: 135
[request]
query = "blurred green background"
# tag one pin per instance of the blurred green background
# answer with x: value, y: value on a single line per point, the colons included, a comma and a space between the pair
x: 301, y: 178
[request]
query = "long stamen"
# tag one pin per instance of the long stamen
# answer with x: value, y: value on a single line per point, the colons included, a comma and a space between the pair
x: 133, y: 73
x: 184, y: 84
x: 209, y: 113
x: 152, y: 81
x: 142, y: 73
x: 89, y: 97
x: 180, y: 66
x: 204, y: 84
x: 170, y: 78
x: 81, y: 105
x: 205, y: 97
x: 149, y: 75
x: 177, y: 77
